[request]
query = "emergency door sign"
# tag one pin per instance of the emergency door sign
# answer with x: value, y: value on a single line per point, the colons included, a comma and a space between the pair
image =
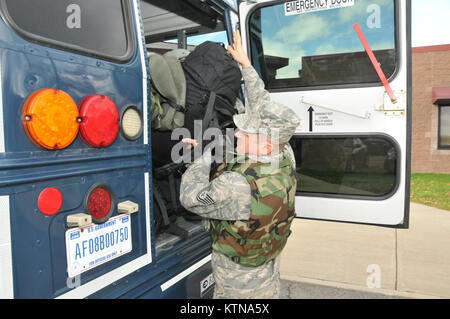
x: 305, y: 6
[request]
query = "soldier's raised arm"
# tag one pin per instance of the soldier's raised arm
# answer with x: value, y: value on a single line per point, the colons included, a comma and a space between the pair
x: 254, y: 86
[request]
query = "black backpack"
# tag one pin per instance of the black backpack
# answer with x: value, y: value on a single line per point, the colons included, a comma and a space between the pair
x: 213, y: 82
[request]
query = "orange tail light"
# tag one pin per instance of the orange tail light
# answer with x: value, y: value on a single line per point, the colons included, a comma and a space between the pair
x: 50, y: 118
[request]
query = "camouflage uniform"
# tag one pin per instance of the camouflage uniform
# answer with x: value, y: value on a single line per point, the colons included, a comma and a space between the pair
x: 230, y: 196
x: 226, y: 197
x: 234, y: 281
x: 261, y: 237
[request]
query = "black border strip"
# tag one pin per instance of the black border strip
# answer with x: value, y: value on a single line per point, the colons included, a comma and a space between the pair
x: 41, y: 40
x: 408, y: 117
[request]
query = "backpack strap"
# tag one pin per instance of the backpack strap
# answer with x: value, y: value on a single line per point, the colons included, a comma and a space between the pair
x: 209, y: 111
x: 174, y: 105
x: 160, y: 203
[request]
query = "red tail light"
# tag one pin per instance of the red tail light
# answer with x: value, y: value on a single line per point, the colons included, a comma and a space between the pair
x: 99, y: 120
x: 50, y: 201
x: 100, y: 203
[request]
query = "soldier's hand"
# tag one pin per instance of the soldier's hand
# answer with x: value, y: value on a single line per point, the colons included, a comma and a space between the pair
x: 190, y: 141
x: 237, y: 51
x: 206, y: 156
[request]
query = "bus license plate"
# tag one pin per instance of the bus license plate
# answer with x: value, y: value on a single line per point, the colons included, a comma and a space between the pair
x: 90, y: 246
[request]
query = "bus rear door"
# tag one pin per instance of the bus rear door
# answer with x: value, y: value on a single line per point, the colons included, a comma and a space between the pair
x: 353, y: 145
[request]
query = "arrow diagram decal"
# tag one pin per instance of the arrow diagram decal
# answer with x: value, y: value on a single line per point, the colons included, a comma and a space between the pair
x: 310, y: 110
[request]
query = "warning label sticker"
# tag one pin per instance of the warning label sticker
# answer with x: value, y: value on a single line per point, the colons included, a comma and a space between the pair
x: 323, y: 119
x: 305, y: 6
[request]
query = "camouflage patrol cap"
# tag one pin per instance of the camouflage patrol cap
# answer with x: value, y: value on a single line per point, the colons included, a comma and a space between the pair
x: 271, y: 119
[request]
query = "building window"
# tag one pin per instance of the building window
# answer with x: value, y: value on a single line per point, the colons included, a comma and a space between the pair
x: 444, y: 127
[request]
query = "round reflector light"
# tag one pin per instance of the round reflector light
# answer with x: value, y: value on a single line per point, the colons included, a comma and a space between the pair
x: 99, y: 203
x: 99, y: 120
x: 131, y: 123
x: 50, y: 201
x: 50, y: 118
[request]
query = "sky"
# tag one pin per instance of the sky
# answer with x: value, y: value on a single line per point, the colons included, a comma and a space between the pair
x: 430, y: 22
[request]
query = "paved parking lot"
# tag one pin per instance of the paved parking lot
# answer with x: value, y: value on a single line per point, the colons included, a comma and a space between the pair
x: 346, y: 255
x: 295, y: 290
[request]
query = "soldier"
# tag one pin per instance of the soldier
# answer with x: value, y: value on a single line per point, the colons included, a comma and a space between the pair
x: 249, y: 202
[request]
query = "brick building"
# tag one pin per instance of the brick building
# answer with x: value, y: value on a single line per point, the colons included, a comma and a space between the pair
x: 431, y: 109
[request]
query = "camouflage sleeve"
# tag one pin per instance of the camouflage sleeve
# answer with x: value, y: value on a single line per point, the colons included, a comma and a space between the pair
x: 289, y: 152
x: 239, y: 106
x: 226, y: 197
x: 254, y: 89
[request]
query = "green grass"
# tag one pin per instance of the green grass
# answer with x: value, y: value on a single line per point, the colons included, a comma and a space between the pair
x: 431, y: 189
